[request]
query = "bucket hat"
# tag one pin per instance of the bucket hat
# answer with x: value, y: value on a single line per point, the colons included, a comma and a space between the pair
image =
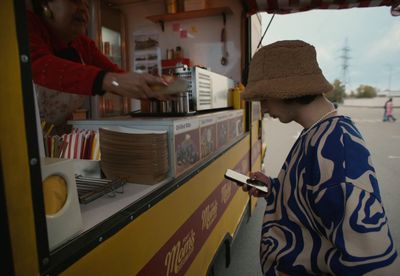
x: 285, y: 69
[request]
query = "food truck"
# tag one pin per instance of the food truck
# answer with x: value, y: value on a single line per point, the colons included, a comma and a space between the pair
x: 172, y: 210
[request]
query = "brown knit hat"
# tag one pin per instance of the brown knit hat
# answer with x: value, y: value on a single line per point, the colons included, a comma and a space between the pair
x: 284, y: 70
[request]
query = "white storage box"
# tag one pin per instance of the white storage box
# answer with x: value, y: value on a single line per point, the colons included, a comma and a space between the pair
x: 63, y: 214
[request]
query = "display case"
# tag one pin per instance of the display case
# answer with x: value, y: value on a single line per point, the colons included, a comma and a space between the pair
x: 191, y: 139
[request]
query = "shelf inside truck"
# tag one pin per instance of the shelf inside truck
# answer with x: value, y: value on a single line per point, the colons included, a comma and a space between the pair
x: 161, y: 18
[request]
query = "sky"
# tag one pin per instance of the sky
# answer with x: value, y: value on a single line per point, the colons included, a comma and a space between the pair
x: 372, y: 35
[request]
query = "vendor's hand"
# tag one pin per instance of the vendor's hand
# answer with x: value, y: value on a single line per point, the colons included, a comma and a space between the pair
x: 133, y: 85
x: 255, y: 192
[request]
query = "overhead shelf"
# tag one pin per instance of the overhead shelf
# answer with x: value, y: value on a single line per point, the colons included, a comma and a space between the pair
x: 189, y: 15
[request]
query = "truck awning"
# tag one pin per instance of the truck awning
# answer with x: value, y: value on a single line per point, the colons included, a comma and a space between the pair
x: 292, y: 6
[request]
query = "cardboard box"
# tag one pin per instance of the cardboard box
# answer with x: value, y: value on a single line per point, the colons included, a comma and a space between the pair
x: 183, y: 136
x: 186, y: 144
x: 192, y: 5
x: 235, y: 127
x: 256, y: 111
x: 139, y: 156
x: 222, y: 129
x: 208, y: 135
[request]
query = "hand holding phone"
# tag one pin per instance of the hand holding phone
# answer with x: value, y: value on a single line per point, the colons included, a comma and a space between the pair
x: 244, y: 179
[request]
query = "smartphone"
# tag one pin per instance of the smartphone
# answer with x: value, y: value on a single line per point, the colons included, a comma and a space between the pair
x: 244, y: 179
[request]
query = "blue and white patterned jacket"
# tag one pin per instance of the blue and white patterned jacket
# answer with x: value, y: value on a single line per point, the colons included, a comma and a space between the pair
x: 325, y: 214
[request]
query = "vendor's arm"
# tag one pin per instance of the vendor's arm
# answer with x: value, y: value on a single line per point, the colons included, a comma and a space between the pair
x: 133, y: 85
x: 54, y: 72
x: 115, y: 80
x: 97, y: 75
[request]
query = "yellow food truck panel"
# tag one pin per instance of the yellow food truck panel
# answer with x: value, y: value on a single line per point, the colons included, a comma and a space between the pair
x: 178, y: 234
x: 181, y: 233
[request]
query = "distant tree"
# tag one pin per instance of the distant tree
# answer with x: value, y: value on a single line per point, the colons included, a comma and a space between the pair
x: 365, y: 91
x: 338, y: 93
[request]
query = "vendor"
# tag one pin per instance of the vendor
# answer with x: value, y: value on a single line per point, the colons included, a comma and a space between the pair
x: 67, y: 65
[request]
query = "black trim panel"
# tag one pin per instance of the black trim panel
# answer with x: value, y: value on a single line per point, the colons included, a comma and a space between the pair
x: 6, y: 257
x: 31, y: 134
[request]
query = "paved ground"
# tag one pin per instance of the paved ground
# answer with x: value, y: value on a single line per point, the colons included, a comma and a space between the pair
x: 383, y: 140
x: 244, y: 250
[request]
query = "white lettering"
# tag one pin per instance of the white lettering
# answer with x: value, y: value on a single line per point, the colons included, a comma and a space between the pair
x: 179, y: 254
x: 209, y: 214
x: 226, y: 191
x: 183, y: 126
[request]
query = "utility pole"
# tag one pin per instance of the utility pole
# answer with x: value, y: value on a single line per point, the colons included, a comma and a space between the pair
x: 345, y: 63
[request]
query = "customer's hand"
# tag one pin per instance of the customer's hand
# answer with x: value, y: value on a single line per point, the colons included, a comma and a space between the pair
x: 262, y: 178
x: 133, y: 85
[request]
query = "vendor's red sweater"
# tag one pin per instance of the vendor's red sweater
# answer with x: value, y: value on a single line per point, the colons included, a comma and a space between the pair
x: 61, y: 74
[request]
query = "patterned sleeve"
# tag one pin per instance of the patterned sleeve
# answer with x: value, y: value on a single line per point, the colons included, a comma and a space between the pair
x: 348, y: 210
x: 275, y: 185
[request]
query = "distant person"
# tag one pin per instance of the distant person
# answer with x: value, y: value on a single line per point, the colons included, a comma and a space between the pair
x: 384, y: 112
x: 389, y: 111
x: 324, y: 213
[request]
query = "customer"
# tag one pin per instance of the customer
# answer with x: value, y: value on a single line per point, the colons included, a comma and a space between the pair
x: 384, y: 111
x: 389, y: 110
x: 67, y: 65
x: 324, y: 213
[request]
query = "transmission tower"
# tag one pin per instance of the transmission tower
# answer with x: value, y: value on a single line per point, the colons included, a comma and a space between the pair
x: 345, y: 64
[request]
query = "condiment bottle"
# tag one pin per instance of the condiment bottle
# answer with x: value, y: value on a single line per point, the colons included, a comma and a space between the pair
x: 178, y: 53
x: 171, y: 6
x: 170, y: 53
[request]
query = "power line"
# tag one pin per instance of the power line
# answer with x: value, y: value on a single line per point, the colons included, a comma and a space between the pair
x: 265, y: 32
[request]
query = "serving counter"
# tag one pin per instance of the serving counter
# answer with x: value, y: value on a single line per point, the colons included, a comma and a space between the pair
x: 191, y: 139
x: 216, y: 140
